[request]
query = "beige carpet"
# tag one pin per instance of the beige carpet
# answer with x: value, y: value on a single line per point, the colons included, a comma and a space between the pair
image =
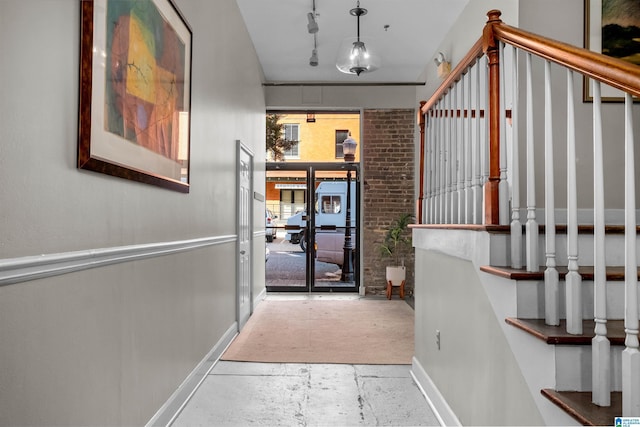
x: 327, y: 331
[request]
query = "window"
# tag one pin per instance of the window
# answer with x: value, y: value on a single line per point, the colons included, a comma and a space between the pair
x: 330, y: 204
x: 341, y: 135
x: 291, y: 133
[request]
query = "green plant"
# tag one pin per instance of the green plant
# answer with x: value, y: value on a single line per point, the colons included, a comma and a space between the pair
x: 397, y: 240
x: 276, y: 143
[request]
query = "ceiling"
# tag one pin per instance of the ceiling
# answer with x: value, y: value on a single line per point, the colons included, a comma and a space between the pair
x: 278, y: 29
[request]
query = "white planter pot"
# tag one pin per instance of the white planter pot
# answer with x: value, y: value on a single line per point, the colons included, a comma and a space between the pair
x: 396, y: 275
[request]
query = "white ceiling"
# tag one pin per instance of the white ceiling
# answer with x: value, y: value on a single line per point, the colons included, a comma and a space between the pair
x: 278, y: 29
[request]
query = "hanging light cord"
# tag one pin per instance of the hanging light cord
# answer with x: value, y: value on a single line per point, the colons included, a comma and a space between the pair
x: 358, y: 18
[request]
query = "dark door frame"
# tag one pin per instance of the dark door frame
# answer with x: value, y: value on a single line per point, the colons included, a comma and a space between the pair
x: 311, y: 168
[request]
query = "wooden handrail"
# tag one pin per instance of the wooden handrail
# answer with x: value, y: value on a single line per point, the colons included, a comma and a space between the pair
x: 612, y: 71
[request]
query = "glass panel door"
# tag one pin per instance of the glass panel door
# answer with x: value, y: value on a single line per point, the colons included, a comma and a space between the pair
x: 334, y: 256
x: 317, y: 197
x: 287, y: 192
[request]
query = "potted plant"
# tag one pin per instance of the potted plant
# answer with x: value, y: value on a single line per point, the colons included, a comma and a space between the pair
x: 396, y: 244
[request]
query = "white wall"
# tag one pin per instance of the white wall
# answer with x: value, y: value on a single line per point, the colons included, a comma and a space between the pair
x: 354, y: 97
x: 462, y: 36
x: 474, y: 368
x: 566, y: 24
x: 108, y: 345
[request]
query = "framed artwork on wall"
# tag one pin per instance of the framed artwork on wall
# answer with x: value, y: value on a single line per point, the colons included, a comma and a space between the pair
x: 135, y: 91
x: 611, y: 27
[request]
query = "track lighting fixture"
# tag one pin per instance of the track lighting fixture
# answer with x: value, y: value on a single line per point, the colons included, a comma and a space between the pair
x: 312, y: 26
x: 313, y: 29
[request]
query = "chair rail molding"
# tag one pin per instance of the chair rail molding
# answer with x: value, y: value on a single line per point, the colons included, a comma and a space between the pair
x: 24, y: 269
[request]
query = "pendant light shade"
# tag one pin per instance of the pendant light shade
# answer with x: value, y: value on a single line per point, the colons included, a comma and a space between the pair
x: 354, y: 55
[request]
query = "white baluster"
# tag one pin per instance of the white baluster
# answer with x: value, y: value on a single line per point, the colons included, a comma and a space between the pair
x: 551, y: 280
x: 448, y: 163
x: 468, y: 142
x: 434, y: 162
x: 437, y: 163
x: 460, y: 145
x: 600, y: 345
x: 485, y: 129
x: 426, y: 219
x: 532, y: 231
x: 516, y: 225
x: 440, y: 162
x: 431, y: 163
x: 631, y: 354
x: 476, y: 153
x: 573, y: 281
x: 455, y: 156
x: 503, y: 186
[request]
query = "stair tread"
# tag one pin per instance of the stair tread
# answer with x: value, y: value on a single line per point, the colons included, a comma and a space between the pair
x: 614, y: 273
x: 559, y: 334
x: 579, y: 406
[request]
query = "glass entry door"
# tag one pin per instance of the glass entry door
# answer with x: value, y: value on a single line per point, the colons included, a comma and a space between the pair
x: 315, y: 247
x: 334, y: 238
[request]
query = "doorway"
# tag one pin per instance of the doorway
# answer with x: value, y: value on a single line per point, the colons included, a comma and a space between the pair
x: 316, y: 245
x: 244, y: 215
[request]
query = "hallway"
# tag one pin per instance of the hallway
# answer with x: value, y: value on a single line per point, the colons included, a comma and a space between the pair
x: 270, y: 394
x: 302, y: 394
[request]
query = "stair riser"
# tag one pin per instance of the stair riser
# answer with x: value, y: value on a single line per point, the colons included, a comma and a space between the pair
x: 614, y: 249
x: 573, y: 368
x: 530, y: 299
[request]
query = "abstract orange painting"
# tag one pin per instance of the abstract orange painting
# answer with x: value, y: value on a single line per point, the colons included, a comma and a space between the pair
x: 135, y: 91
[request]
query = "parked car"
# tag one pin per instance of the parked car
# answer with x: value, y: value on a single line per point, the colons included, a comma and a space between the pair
x: 270, y: 225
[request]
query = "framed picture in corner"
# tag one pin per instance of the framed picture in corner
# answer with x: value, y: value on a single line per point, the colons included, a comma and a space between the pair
x: 135, y: 91
x: 611, y: 27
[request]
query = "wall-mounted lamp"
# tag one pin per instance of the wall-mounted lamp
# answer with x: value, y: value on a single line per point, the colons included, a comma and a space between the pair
x: 444, y: 66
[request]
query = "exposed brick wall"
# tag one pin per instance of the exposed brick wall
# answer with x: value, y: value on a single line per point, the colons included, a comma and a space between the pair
x: 388, y: 174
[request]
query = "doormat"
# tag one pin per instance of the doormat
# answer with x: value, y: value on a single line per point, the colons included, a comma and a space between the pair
x: 378, y: 332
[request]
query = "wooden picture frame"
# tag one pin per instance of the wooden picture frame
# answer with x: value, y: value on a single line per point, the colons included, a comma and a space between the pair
x: 595, y: 18
x: 135, y: 91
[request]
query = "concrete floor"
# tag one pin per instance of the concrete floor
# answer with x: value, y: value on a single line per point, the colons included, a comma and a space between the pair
x: 276, y: 394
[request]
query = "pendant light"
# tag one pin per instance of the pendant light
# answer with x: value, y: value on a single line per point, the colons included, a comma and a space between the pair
x: 354, y: 57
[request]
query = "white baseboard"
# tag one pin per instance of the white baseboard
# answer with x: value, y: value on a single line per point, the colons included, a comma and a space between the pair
x: 258, y: 299
x: 168, y: 413
x: 439, y: 406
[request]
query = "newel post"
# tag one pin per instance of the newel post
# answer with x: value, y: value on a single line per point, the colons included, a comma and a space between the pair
x: 491, y: 188
x: 421, y: 123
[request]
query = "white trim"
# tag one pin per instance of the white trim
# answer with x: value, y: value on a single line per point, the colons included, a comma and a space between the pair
x: 16, y: 270
x: 437, y: 402
x: 168, y: 413
x: 258, y: 299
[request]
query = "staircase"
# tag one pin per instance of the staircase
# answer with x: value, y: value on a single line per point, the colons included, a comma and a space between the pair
x: 568, y: 289
x: 573, y: 368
